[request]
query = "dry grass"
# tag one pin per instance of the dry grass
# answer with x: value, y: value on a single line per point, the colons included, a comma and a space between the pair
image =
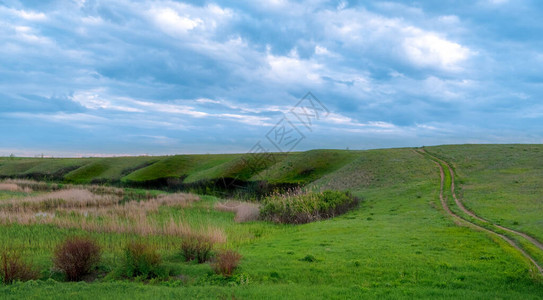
x: 12, y: 187
x: 226, y: 262
x: 85, y: 200
x: 32, y: 185
x: 245, y: 211
x: 72, y: 198
x: 103, y: 209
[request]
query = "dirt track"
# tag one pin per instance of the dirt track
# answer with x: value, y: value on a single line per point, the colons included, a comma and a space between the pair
x: 461, y: 221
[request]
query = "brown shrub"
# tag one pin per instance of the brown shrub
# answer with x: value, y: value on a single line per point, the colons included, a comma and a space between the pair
x: 226, y: 261
x: 14, y: 268
x: 76, y: 257
x: 196, y: 247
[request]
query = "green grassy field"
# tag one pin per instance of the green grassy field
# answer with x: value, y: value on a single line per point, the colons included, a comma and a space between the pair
x: 398, y: 244
x: 501, y: 183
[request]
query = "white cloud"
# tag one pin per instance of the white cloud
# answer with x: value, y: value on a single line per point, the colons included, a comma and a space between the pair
x: 204, y: 100
x: 172, y: 23
x: 321, y: 50
x: 449, y: 19
x: 29, y: 15
x: 75, y: 119
x: 180, y: 19
x: 497, y: 2
x: 247, y: 119
x: 428, y: 49
x: 26, y: 34
x: 92, y: 100
x: 339, y: 119
x: 361, y: 31
x: 169, y: 108
x: 292, y: 70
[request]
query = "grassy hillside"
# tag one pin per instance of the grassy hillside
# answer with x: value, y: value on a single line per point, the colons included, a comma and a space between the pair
x: 398, y: 244
x: 294, y: 168
x: 108, y: 169
x: 49, y: 168
x: 501, y: 183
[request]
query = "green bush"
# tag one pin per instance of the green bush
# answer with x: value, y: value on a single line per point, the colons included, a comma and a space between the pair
x: 298, y: 207
x: 141, y: 260
x: 196, y: 247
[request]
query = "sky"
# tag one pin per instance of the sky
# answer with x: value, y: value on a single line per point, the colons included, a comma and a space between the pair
x: 97, y: 77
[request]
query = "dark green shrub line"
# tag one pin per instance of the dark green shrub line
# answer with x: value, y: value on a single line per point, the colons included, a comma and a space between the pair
x: 297, y: 207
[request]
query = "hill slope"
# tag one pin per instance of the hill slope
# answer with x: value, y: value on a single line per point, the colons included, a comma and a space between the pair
x: 400, y: 243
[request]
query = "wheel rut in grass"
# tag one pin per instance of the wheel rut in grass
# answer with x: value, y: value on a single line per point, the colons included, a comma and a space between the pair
x: 462, y: 221
x: 532, y: 240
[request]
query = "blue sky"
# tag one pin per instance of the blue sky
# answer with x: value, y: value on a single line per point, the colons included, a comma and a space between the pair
x: 164, y: 77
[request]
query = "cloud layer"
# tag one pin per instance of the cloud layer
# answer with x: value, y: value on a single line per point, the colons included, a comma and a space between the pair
x: 162, y: 77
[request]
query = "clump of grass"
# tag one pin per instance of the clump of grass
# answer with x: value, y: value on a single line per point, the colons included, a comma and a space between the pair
x: 245, y: 211
x: 309, y: 258
x: 197, y: 247
x: 297, y: 207
x: 10, y: 187
x: 13, y: 268
x: 141, y: 260
x: 76, y: 257
x: 226, y: 261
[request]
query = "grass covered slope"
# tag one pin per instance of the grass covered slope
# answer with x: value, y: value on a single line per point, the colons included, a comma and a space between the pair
x: 108, y: 169
x: 293, y: 168
x: 305, y: 167
x: 178, y: 166
x: 51, y: 168
x: 500, y: 183
x: 397, y: 244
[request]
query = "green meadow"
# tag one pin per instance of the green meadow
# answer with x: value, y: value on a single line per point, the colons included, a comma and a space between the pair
x: 398, y: 243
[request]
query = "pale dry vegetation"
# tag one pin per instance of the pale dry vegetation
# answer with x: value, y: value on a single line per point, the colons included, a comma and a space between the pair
x: 245, y: 211
x: 32, y: 185
x: 104, y: 209
x: 12, y: 187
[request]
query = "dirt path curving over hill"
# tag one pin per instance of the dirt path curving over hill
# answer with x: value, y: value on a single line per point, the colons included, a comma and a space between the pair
x: 462, y: 221
x: 532, y: 240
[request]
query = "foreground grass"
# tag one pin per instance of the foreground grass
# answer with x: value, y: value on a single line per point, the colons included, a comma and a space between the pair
x: 397, y: 244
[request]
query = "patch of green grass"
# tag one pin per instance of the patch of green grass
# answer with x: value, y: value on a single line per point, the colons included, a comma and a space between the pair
x: 41, y: 167
x: 177, y: 166
x: 305, y: 167
x: 108, y: 169
x: 501, y: 183
x: 231, y: 168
